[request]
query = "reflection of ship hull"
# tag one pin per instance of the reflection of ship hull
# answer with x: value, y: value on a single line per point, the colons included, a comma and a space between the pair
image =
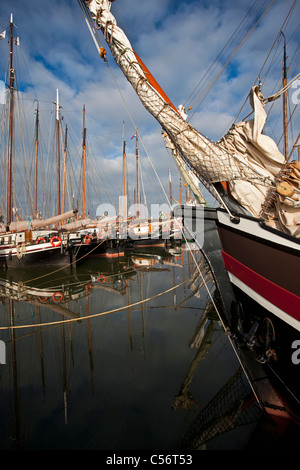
x: 147, y: 243
x: 100, y: 249
x: 263, y: 340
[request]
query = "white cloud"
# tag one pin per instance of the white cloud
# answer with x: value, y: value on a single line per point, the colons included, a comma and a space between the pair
x: 178, y: 41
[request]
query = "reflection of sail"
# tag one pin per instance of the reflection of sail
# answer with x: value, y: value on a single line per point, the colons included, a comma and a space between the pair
x: 232, y: 406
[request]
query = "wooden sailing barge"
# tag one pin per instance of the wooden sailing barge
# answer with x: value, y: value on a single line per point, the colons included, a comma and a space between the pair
x: 31, y: 242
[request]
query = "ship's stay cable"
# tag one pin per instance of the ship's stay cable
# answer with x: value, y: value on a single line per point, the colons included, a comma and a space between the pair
x: 209, y: 86
x: 215, y: 62
x: 276, y: 41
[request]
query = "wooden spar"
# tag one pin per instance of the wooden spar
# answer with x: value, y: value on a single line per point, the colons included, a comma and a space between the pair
x: 58, y: 153
x: 83, y: 163
x: 137, y: 171
x: 64, y: 170
x: 154, y: 83
x: 285, y: 120
x: 11, y: 123
x: 36, y: 143
x: 124, y: 176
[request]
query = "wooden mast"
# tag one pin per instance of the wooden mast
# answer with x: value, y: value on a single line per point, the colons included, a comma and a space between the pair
x: 11, y: 123
x: 137, y: 174
x: 285, y: 120
x: 83, y: 163
x: 36, y: 143
x: 124, y: 175
x: 64, y: 170
x: 58, y: 153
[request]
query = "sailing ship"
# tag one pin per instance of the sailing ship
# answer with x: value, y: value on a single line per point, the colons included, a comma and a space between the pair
x: 252, y: 241
x: 34, y: 241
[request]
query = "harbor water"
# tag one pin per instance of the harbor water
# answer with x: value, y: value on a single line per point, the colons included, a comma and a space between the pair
x: 121, y: 354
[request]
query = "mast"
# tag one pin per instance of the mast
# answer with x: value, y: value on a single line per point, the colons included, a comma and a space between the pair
x: 124, y: 175
x: 212, y: 162
x: 137, y: 172
x: 284, y: 80
x: 58, y: 153
x: 11, y: 123
x: 83, y: 163
x: 64, y: 170
x: 36, y: 143
x: 215, y: 164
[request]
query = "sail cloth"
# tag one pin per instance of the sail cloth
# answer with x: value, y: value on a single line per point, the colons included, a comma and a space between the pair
x: 248, y: 160
x: 21, y: 225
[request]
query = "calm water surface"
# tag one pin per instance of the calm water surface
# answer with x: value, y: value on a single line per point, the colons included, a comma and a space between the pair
x: 120, y: 354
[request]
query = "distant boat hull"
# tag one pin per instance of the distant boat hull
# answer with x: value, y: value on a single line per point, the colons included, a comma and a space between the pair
x: 34, y: 256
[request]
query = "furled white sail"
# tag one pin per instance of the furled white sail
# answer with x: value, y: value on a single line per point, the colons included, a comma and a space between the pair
x: 21, y: 225
x: 245, y: 158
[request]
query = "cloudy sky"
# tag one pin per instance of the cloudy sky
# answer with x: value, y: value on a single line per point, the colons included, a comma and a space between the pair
x: 185, y: 44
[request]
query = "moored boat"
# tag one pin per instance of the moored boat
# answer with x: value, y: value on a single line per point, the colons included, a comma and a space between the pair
x: 254, y: 242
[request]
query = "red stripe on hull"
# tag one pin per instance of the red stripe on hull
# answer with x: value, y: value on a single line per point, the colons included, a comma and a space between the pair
x: 281, y: 298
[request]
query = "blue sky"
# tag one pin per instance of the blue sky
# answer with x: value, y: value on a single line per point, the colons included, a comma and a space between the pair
x: 178, y: 40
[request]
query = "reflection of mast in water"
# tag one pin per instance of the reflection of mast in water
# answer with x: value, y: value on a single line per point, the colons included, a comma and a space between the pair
x: 36, y: 297
x: 201, y: 340
x: 17, y: 437
x: 234, y: 405
x: 129, y: 316
x: 90, y: 338
x: 64, y: 373
x: 140, y: 275
x: 201, y: 272
x: 41, y: 351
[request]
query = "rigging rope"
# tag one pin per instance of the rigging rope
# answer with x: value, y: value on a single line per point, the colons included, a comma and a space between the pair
x: 210, y: 85
x: 268, y: 55
x: 99, y: 47
x: 219, y: 56
x: 283, y: 90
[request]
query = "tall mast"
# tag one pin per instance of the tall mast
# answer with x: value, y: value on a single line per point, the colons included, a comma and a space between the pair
x: 58, y: 153
x: 124, y: 175
x: 83, y: 163
x: 36, y: 143
x: 284, y: 80
x: 137, y: 171
x: 11, y: 122
x: 64, y: 170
